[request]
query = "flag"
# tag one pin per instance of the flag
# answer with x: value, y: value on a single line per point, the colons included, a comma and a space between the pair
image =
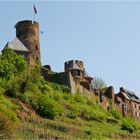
x: 35, y: 10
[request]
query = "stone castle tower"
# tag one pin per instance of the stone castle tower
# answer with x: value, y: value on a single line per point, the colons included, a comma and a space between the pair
x: 28, y: 33
x: 76, y: 68
x: 80, y: 76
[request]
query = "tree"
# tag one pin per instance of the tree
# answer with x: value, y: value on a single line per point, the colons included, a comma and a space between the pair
x: 11, y: 64
x: 98, y: 83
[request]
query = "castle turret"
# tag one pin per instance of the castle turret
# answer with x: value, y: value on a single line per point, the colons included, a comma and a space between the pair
x: 76, y: 68
x: 28, y: 33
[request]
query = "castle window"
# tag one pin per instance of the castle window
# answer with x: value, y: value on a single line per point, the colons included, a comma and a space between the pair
x: 72, y: 73
x: 36, y: 47
x: 78, y: 73
x: 135, y: 106
x: 139, y: 107
x: 125, y: 109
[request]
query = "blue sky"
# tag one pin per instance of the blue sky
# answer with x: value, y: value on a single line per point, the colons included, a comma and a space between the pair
x: 103, y: 34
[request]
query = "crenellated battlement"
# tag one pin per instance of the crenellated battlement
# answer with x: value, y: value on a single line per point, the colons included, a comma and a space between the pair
x: 74, y: 65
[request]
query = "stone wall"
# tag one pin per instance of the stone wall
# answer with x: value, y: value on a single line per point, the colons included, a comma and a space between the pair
x: 28, y: 33
x: 135, y: 106
x: 86, y: 85
x: 106, y: 97
x: 60, y: 78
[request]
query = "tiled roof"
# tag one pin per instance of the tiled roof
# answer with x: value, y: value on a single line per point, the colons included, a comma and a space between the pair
x: 16, y: 45
x: 131, y: 95
x: 125, y: 95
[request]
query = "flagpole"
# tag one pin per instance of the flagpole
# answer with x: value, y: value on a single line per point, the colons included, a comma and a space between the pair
x: 33, y: 13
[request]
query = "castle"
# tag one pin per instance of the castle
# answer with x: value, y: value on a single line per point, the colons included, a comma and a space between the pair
x: 27, y: 45
x: 27, y: 42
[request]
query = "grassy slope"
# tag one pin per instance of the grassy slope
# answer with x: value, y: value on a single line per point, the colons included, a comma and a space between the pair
x: 32, y: 126
x: 31, y: 108
x: 72, y: 116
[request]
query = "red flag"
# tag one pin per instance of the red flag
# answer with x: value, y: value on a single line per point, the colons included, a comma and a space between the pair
x: 35, y: 10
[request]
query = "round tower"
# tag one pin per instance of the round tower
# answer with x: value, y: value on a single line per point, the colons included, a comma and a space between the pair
x: 28, y: 33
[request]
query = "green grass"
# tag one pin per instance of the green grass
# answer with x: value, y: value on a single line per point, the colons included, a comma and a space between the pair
x: 64, y: 116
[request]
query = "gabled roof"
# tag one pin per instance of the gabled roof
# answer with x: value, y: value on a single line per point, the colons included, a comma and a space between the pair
x: 125, y: 95
x: 130, y: 95
x: 16, y: 45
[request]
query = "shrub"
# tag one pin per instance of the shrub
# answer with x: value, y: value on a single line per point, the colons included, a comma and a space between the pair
x: 88, y: 132
x: 129, y: 125
x: 48, y: 108
x: 67, y: 96
x: 56, y: 87
x: 72, y: 115
x: 3, y: 83
x: 79, y: 98
x: 112, y: 120
x: 1, y: 91
x: 11, y: 92
x: 30, y: 86
x: 65, y: 89
x: 98, y: 116
x: 115, y: 114
x: 56, y: 95
x: 46, y: 88
x: 30, y: 98
x: 7, y: 108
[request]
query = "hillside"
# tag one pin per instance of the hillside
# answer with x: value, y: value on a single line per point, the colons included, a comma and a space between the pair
x: 56, y: 114
x: 32, y: 108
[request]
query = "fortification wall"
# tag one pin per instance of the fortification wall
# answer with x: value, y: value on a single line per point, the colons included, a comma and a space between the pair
x: 76, y: 87
x: 60, y: 78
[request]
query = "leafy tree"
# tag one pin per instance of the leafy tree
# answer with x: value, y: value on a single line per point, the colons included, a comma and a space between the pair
x: 11, y: 64
x: 98, y: 83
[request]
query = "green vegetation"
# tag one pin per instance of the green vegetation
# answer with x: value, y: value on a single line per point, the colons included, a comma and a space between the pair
x: 129, y: 124
x: 11, y: 64
x: 32, y: 108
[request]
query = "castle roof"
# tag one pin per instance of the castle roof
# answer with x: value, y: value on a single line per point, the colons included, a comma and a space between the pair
x: 129, y: 95
x: 73, y: 66
x: 16, y: 45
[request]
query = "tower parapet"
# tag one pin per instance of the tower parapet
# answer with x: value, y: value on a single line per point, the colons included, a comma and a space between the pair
x: 28, y: 33
x: 76, y: 68
x: 74, y: 65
